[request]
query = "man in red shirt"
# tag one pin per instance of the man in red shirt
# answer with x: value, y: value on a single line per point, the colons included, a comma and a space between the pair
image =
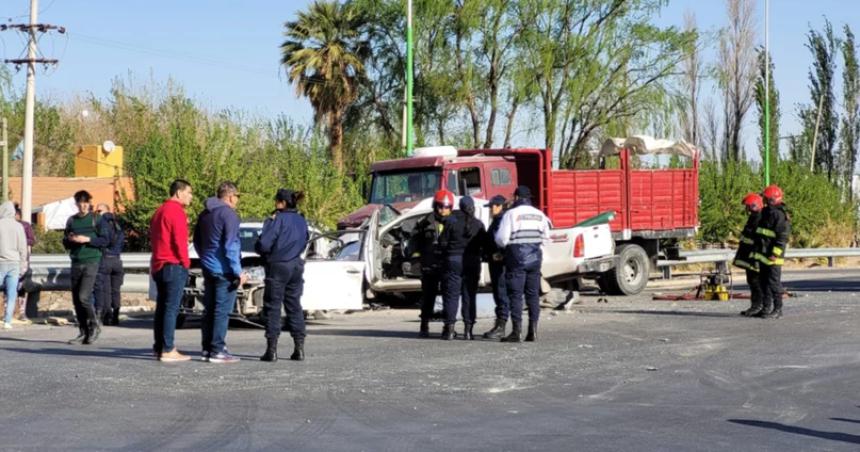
x: 168, y: 234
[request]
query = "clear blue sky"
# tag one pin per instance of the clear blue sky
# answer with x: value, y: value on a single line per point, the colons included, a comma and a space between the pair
x: 225, y: 52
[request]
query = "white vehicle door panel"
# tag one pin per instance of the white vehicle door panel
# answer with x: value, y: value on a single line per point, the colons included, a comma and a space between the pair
x: 558, y: 253
x: 333, y: 285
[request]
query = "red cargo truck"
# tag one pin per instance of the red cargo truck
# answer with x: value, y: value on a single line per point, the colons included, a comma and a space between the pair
x: 654, y: 207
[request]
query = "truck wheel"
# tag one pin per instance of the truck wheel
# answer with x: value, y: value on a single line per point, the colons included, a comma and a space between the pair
x: 630, y: 276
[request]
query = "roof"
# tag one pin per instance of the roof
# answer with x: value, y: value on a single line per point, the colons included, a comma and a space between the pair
x: 51, y: 189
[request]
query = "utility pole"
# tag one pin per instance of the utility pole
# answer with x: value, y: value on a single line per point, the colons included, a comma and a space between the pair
x: 31, y: 29
x: 5, y: 162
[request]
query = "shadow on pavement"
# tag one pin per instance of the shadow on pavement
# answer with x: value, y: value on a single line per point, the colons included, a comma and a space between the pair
x: 842, y: 419
x: 833, y: 436
x: 679, y: 313
x: 370, y: 333
x: 122, y: 353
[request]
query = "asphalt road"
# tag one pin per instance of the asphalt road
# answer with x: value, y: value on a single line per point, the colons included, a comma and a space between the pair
x: 630, y: 374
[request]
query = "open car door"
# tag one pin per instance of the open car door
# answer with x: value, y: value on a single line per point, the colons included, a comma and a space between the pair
x: 334, y: 271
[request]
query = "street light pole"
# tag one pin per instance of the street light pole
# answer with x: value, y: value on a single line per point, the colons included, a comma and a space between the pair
x: 409, y: 81
x: 766, y: 92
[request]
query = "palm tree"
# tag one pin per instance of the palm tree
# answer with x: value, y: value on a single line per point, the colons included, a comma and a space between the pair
x: 323, y: 54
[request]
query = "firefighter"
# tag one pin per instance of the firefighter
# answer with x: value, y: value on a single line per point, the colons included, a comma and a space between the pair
x: 744, y: 256
x: 522, y: 232
x: 425, y: 244
x: 281, y: 244
x: 771, y: 241
x: 493, y: 256
x: 462, y: 242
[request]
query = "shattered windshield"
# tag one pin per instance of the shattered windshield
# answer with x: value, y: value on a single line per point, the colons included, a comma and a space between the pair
x: 404, y: 186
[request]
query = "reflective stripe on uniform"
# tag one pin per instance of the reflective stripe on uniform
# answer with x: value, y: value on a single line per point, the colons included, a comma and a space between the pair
x: 744, y: 264
x: 766, y: 232
x: 526, y: 236
x: 777, y: 251
x: 747, y: 241
x: 766, y: 260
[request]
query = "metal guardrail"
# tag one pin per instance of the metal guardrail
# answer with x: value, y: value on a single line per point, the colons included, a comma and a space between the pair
x: 51, y: 271
x: 723, y: 256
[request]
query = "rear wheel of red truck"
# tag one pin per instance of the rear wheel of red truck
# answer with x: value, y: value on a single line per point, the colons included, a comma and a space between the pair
x: 630, y: 276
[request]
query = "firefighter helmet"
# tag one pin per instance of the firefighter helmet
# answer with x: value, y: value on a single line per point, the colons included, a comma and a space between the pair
x: 753, y: 202
x: 443, y: 198
x: 773, y: 194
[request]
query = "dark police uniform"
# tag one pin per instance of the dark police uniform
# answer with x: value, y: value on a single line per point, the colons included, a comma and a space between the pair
x: 494, y: 256
x: 281, y: 244
x: 462, y: 243
x: 771, y: 241
x: 425, y: 243
x: 744, y: 258
x: 522, y: 231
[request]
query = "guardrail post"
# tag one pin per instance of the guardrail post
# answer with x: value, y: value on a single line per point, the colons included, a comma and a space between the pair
x: 830, y: 260
x: 667, y: 272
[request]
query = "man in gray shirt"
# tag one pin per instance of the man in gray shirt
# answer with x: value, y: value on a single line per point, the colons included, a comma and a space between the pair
x: 13, y: 257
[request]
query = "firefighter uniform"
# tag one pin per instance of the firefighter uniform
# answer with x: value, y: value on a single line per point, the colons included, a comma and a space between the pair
x: 522, y: 232
x: 744, y: 257
x: 425, y: 244
x: 770, y: 245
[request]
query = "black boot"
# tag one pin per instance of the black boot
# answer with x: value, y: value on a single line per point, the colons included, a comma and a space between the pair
x: 775, y: 314
x: 271, y: 354
x: 425, y: 329
x: 448, y: 332
x: 298, y: 349
x: 94, y: 331
x: 115, y: 317
x: 752, y: 311
x: 82, y: 335
x: 765, y: 311
x: 107, y: 318
x: 516, y: 333
x: 498, y: 330
x: 531, y: 336
x: 467, y: 332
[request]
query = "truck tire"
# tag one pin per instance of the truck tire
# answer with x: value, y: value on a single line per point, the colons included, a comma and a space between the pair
x: 630, y: 276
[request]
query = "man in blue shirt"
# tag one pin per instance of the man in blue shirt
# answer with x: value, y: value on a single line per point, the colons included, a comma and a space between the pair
x: 216, y: 239
x: 281, y: 244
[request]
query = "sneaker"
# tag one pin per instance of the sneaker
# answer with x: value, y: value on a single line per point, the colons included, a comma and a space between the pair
x: 7, y: 326
x: 204, y: 356
x: 173, y: 356
x: 223, y: 358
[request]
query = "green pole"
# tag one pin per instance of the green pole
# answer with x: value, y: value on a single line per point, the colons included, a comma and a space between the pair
x: 766, y: 94
x: 409, y: 63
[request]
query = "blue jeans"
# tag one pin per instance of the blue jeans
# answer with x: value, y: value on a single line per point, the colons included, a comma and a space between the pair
x: 452, y: 286
x: 9, y: 276
x: 219, y: 298
x: 170, y: 282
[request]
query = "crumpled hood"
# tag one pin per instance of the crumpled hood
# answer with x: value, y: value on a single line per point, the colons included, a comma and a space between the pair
x: 7, y: 210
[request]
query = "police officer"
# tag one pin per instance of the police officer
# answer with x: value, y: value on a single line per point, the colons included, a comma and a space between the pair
x: 771, y: 241
x: 462, y: 240
x: 493, y: 256
x: 281, y: 244
x: 744, y: 256
x: 522, y: 232
x: 425, y: 244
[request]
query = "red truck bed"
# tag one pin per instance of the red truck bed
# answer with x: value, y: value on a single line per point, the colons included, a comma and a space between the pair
x: 649, y: 203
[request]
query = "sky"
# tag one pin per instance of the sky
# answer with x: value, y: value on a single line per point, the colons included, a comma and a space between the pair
x: 225, y: 52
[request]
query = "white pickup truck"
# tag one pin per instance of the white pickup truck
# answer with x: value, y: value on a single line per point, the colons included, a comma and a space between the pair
x: 574, y: 252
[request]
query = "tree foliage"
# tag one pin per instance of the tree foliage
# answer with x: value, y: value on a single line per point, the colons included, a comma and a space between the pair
x: 772, y: 97
x: 850, y: 131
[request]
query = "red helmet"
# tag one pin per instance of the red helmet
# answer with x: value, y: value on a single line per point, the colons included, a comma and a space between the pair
x: 773, y: 194
x: 753, y: 202
x: 443, y: 198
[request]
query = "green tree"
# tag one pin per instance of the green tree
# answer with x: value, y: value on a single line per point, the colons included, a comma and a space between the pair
x: 850, y: 136
x: 324, y: 55
x: 821, y: 117
x: 773, y: 100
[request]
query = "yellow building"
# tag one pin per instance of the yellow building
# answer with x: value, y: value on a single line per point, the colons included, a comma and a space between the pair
x: 99, y: 160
